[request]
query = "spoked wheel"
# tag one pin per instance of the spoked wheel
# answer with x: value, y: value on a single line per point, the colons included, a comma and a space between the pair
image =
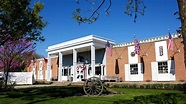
x: 93, y: 86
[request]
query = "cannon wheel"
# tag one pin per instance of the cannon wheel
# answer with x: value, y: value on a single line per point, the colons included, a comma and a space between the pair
x: 93, y: 86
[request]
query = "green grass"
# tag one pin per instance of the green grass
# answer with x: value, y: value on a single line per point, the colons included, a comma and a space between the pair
x: 73, y: 95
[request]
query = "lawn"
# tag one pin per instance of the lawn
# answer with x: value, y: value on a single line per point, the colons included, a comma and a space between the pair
x: 74, y: 95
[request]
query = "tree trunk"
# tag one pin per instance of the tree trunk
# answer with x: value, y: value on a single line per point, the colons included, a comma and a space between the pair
x: 6, y: 80
x: 182, y: 14
x: 6, y: 73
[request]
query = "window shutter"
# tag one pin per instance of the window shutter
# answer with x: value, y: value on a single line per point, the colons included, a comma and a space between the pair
x: 154, y: 67
x: 171, y: 67
x: 127, y: 70
x: 142, y: 68
x: 140, y: 71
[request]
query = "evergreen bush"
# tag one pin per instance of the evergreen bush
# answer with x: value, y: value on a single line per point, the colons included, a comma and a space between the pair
x: 153, y: 86
x: 170, y: 98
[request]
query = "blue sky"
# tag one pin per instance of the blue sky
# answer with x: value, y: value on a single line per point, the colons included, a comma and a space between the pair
x: 117, y: 26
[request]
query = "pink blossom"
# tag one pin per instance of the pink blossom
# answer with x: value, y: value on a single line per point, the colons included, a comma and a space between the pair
x: 13, y: 54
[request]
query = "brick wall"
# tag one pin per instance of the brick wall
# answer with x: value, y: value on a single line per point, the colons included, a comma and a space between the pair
x: 147, y: 51
x: 121, y: 53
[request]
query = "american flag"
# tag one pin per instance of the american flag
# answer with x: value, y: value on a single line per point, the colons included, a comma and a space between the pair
x: 28, y: 63
x: 136, y: 46
x: 170, y: 44
x: 109, y: 48
x: 34, y: 60
x: 45, y: 60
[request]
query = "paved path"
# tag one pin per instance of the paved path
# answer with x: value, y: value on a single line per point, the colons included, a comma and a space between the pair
x: 31, y: 86
x: 54, y: 84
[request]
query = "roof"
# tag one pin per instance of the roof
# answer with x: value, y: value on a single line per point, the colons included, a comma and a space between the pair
x: 79, y: 41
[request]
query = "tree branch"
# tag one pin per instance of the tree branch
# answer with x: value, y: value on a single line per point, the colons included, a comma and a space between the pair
x: 95, y: 11
x: 110, y: 4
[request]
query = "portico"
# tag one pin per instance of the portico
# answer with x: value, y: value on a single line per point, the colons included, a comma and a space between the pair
x: 78, y: 59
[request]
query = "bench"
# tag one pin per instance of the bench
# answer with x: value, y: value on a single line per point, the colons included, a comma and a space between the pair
x: 54, y: 78
x: 111, y: 78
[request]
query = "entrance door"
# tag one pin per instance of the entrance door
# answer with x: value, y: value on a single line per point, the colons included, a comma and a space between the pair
x: 66, y: 73
x: 80, y: 75
x: 81, y: 72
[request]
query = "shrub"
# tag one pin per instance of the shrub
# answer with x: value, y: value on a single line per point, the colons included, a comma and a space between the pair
x: 170, y: 98
x: 153, y: 86
x: 133, y: 86
x: 42, y: 83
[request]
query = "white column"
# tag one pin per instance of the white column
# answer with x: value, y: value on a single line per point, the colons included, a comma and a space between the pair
x: 93, y: 59
x: 49, y: 68
x: 68, y: 74
x: 102, y: 70
x: 60, y: 66
x: 34, y: 71
x: 74, y: 65
x: 87, y: 67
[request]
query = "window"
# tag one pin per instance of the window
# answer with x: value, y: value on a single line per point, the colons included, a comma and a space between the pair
x: 133, y: 68
x: 161, y: 50
x: 162, y: 67
x: 89, y: 71
x: 65, y: 72
x: 98, y: 70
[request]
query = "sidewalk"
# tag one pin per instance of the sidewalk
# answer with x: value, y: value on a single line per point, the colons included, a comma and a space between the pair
x: 43, y: 85
x: 31, y: 86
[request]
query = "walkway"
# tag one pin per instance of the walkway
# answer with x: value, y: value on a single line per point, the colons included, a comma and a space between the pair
x: 49, y: 85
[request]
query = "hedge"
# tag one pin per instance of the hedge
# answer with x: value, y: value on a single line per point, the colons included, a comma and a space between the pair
x: 153, y: 86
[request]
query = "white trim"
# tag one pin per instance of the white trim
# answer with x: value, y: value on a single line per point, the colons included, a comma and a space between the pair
x: 140, y: 74
x: 49, y: 68
x: 60, y: 58
x: 127, y: 72
x: 40, y: 71
x: 93, y: 59
x: 164, y: 56
x: 133, y: 77
x: 77, y: 42
x: 163, y: 76
x: 154, y: 69
x: 132, y: 59
x: 155, y: 39
x: 74, y: 65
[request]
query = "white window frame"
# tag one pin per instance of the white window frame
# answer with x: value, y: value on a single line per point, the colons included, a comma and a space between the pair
x: 134, y: 72
x: 163, y: 67
x: 134, y: 77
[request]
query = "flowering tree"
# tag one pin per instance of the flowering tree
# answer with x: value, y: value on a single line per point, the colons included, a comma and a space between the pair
x: 14, y: 56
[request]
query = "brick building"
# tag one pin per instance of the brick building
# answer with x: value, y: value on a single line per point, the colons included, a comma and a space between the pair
x: 85, y: 57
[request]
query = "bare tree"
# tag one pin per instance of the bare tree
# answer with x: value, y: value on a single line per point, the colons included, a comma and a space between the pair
x: 133, y: 8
